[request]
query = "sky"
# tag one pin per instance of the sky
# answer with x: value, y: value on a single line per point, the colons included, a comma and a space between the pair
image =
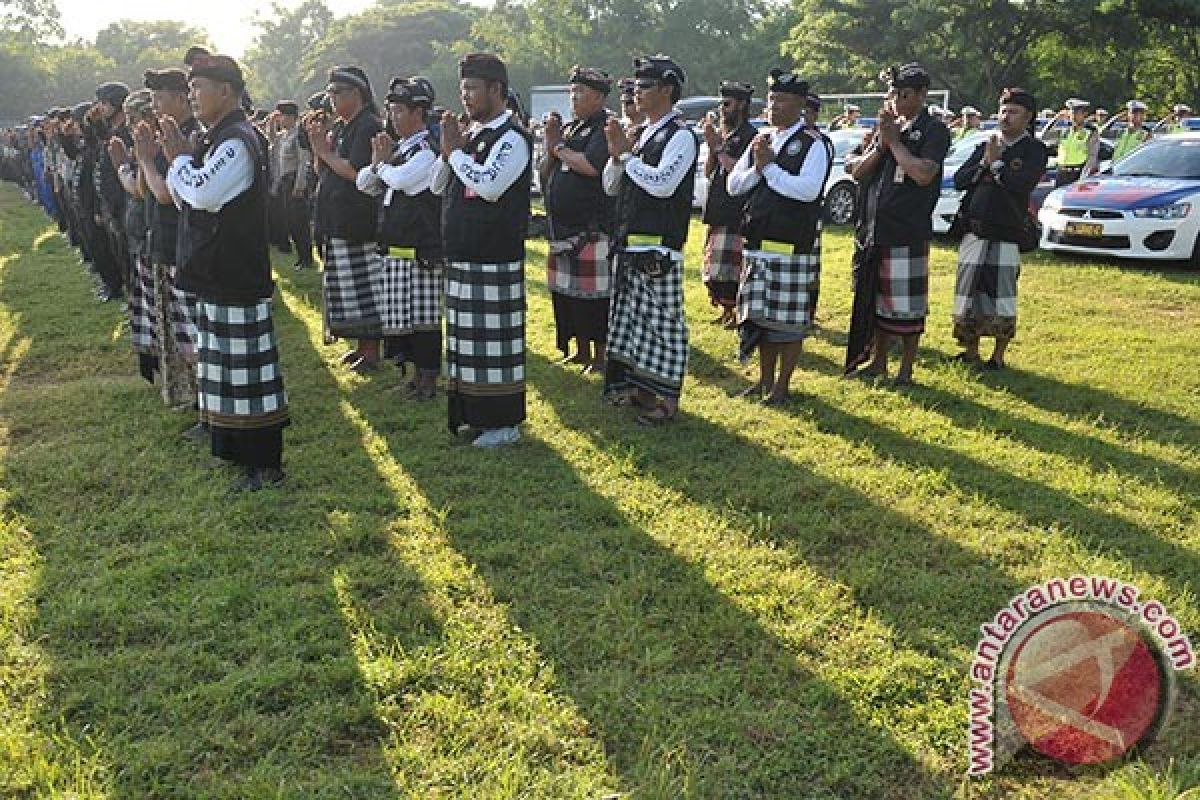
x: 229, y: 22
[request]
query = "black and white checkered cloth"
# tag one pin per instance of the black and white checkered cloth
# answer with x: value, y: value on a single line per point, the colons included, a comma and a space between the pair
x: 647, y: 330
x: 353, y: 286
x: 724, y: 254
x: 141, y: 308
x: 985, y: 288
x: 485, y: 327
x: 412, y: 296
x: 779, y: 292
x: 902, y: 295
x: 240, y: 382
x: 183, y: 316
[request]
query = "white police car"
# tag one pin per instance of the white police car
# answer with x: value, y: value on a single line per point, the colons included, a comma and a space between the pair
x: 1147, y: 208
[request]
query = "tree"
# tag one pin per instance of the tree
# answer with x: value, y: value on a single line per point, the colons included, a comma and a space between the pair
x: 134, y: 46
x: 280, y: 56
x: 32, y: 20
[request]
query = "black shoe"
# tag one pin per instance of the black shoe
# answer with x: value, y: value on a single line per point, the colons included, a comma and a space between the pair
x: 198, y: 433
x: 256, y: 478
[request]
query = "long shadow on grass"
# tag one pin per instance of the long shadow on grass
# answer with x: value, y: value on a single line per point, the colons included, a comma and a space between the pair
x: 196, y: 640
x: 1030, y: 500
x: 690, y: 695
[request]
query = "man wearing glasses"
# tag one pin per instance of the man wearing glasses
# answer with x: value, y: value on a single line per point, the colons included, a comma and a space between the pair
x: 652, y: 179
x: 723, y: 212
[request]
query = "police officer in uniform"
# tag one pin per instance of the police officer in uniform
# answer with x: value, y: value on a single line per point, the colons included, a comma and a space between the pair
x: 1078, y: 145
x: 1135, y: 134
x: 971, y: 122
x: 722, y: 212
x: 653, y: 180
x: 578, y: 268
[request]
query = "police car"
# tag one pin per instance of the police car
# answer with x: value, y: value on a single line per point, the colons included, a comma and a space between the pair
x: 1147, y: 208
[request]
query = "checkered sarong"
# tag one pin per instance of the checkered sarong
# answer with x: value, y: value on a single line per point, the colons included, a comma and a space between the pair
x: 485, y: 343
x: 141, y: 308
x: 985, y: 290
x: 778, y: 293
x: 647, y: 330
x: 353, y: 286
x: 723, y: 255
x: 580, y: 266
x: 902, y: 294
x: 175, y: 334
x: 241, y: 385
x: 411, y: 296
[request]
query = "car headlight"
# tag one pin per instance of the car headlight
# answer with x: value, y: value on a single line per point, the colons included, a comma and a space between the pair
x: 1053, y: 201
x: 1173, y: 211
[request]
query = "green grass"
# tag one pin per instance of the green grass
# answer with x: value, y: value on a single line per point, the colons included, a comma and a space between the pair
x: 753, y: 603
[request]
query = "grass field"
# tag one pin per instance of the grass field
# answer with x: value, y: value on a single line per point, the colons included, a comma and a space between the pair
x: 752, y: 603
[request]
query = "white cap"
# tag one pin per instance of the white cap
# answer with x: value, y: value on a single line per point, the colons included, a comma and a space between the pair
x: 1182, y: 108
x: 1103, y: 111
x: 966, y: 110
x: 1135, y: 105
x: 851, y: 107
x: 1075, y: 104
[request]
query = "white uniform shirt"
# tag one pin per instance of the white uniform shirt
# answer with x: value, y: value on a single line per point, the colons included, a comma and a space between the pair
x: 505, y: 163
x: 226, y: 173
x: 412, y: 177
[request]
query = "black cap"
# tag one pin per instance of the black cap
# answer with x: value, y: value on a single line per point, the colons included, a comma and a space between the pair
x: 484, y: 66
x: 627, y: 87
x: 787, y: 82
x: 317, y: 102
x: 113, y: 92
x: 414, y: 91
x: 80, y: 110
x: 906, y: 76
x: 659, y: 68
x: 738, y: 89
x: 353, y: 76
x: 173, y: 79
x: 287, y: 108
x: 217, y: 68
x: 1019, y: 96
x: 591, y: 77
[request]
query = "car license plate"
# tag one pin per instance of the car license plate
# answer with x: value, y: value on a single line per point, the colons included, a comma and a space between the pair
x: 1092, y: 229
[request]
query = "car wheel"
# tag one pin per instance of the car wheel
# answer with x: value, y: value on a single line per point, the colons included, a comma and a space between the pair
x: 839, y: 205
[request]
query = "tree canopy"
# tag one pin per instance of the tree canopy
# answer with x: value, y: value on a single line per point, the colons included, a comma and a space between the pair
x: 1103, y: 50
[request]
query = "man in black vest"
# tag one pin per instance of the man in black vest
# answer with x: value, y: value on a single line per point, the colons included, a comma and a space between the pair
x: 484, y: 176
x: 578, y: 273
x: 108, y: 117
x: 410, y: 233
x: 174, y: 308
x: 900, y: 178
x: 783, y: 174
x: 723, y: 213
x: 225, y: 260
x: 652, y: 179
x: 353, y: 272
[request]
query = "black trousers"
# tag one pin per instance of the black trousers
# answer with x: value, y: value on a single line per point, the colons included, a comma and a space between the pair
x: 296, y: 213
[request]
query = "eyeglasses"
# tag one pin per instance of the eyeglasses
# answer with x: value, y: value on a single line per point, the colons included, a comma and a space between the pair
x: 646, y: 83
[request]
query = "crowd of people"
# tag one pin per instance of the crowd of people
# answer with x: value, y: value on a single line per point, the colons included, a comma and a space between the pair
x: 175, y: 192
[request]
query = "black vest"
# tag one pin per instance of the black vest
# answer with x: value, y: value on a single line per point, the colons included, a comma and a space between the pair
x: 164, y: 217
x: 771, y: 215
x: 719, y: 207
x: 638, y: 211
x: 477, y: 231
x: 224, y: 257
x: 412, y: 220
x: 574, y: 202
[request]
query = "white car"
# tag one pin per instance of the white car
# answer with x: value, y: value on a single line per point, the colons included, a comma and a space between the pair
x: 1148, y: 208
x: 948, y: 202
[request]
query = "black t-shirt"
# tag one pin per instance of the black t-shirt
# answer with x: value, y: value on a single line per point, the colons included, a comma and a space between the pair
x: 577, y: 203
x: 345, y: 212
x: 897, y: 211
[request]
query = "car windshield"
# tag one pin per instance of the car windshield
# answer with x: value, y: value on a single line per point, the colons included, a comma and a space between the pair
x: 1179, y: 158
x: 844, y: 142
x: 961, y: 150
